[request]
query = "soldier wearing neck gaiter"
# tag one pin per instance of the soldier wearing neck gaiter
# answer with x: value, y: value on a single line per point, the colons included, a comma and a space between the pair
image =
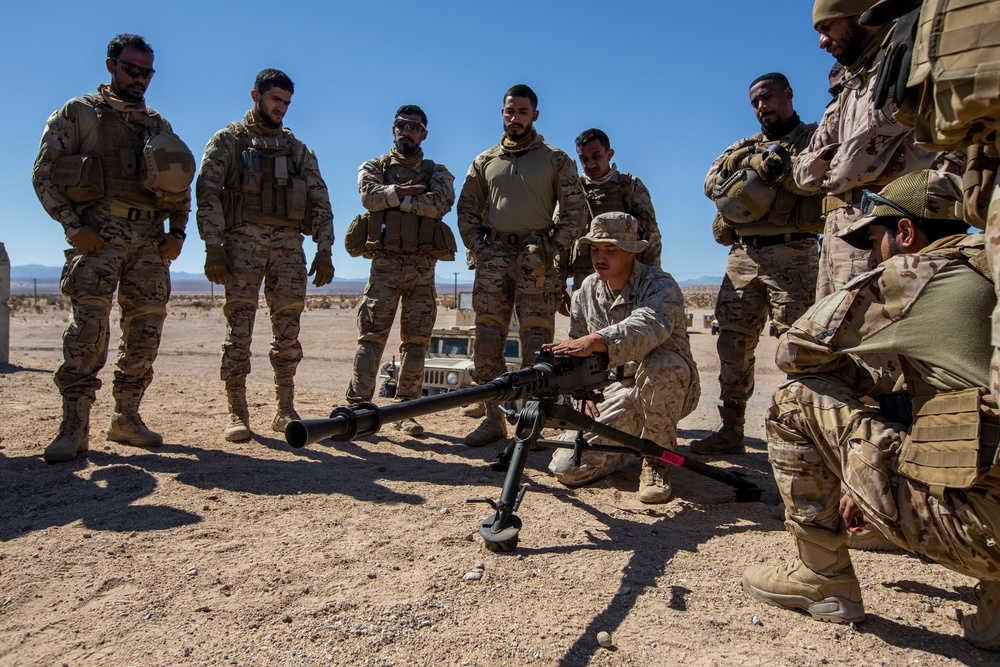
x: 406, y: 196
x: 771, y: 226
x: 259, y: 191
x: 521, y: 209
x: 111, y: 171
x: 862, y: 147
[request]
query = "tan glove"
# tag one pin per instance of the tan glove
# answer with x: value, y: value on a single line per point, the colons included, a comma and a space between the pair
x: 769, y: 166
x: 216, y: 265
x: 322, y: 266
x: 84, y: 239
x: 170, y: 247
x: 735, y: 160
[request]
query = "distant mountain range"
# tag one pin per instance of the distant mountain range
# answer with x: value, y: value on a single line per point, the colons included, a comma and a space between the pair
x: 26, y: 277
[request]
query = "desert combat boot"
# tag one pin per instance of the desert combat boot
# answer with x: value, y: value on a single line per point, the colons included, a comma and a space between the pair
x: 982, y: 629
x: 127, y: 426
x: 729, y: 438
x: 654, y: 481
x: 821, y: 581
x: 285, y: 411
x: 238, y: 426
x: 492, y: 429
x: 74, y: 431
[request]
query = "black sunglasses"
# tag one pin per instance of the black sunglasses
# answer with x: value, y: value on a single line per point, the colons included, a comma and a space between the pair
x: 869, y: 200
x: 135, y: 71
x: 407, y: 125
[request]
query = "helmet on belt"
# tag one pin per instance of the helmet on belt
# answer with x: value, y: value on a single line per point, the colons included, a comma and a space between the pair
x: 744, y: 197
x: 168, y: 167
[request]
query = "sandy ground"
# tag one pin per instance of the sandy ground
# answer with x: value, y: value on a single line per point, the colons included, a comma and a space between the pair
x: 205, y: 552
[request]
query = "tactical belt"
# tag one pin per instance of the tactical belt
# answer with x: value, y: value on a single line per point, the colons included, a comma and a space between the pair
x: 758, y: 242
x: 849, y: 198
x: 126, y: 212
x: 512, y: 238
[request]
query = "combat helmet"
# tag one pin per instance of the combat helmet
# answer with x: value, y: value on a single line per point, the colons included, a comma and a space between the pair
x: 167, y: 166
x: 745, y: 196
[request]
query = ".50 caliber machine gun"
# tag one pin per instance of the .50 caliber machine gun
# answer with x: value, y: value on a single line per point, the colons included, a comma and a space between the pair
x: 543, y: 383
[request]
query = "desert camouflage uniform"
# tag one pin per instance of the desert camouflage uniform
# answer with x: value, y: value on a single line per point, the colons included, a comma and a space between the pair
x: 128, y: 260
x: 645, y: 330
x: 395, y: 276
x: 770, y: 272
x: 856, y: 147
x: 516, y: 230
x: 620, y: 191
x: 259, y: 252
x: 821, y: 435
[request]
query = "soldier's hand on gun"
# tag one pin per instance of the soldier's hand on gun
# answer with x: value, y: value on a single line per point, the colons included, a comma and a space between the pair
x: 409, y: 190
x: 322, y: 266
x: 216, y: 264
x: 170, y: 247
x: 84, y: 239
x: 578, y: 347
x: 852, y: 514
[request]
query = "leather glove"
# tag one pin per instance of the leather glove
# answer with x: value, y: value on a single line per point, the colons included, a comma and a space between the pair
x: 216, y: 265
x: 735, y: 160
x: 322, y: 266
x: 170, y: 247
x: 84, y: 239
x: 769, y: 166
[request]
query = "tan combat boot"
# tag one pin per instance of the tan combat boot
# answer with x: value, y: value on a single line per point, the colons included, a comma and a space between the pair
x: 820, y: 581
x: 74, y: 431
x: 474, y: 410
x: 409, y: 426
x: 493, y: 428
x: 127, y: 426
x: 654, y: 481
x: 982, y: 629
x: 729, y: 438
x: 238, y: 427
x: 285, y: 400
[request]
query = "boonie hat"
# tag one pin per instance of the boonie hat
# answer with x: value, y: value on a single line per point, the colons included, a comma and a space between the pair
x: 621, y: 229
x: 919, y: 195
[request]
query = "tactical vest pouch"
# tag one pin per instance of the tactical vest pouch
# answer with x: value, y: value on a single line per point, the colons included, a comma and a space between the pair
x: 250, y: 163
x: 356, y: 238
x: 298, y: 201
x: 951, y: 432
x: 443, y: 244
x: 79, y: 177
x: 723, y: 232
x: 978, y: 180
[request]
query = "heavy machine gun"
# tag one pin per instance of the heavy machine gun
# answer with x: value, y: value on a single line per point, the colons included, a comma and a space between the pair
x: 543, y: 385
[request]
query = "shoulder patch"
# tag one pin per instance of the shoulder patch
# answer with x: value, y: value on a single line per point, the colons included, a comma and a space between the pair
x: 370, y: 167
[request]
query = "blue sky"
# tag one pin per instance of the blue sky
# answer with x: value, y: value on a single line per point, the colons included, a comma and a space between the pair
x: 667, y: 81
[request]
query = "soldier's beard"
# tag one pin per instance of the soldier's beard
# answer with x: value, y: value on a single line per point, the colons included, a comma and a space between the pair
x: 852, y: 45
x: 509, y: 131
x: 406, y: 149
x: 265, y: 119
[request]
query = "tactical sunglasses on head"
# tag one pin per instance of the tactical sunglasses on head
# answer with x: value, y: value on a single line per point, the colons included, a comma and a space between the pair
x: 869, y: 200
x: 407, y: 125
x: 135, y: 71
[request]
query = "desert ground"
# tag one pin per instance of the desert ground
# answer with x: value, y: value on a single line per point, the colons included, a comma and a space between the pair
x: 206, y: 552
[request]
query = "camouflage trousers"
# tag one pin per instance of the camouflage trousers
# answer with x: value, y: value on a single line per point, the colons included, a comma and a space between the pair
x: 128, y: 261
x: 395, y: 278
x: 774, y: 281
x: 509, y: 280
x: 274, y: 256
x: 665, y: 389
x: 822, y: 440
x: 839, y: 261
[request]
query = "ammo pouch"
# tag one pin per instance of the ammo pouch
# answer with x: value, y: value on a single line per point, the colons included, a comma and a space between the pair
x: 531, y: 265
x: 393, y: 230
x: 953, y: 441
x: 356, y: 238
x: 79, y: 177
x: 978, y: 181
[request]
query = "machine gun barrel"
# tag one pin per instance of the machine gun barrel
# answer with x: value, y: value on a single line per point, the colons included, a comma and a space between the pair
x: 550, y: 376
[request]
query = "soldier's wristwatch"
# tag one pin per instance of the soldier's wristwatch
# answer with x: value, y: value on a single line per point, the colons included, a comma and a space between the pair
x: 178, y: 234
